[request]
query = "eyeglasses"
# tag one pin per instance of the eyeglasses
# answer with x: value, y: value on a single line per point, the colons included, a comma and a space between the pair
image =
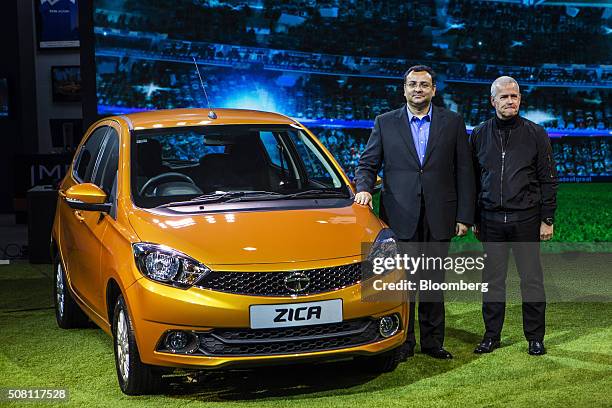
x: 415, y: 85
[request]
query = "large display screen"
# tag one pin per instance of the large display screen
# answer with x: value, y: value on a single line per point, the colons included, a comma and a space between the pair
x: 336, y: 65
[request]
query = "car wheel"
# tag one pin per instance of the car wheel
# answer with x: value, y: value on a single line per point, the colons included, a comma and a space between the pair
x: 67, y: 313
x: 135, y: 377
x: 382, y: 363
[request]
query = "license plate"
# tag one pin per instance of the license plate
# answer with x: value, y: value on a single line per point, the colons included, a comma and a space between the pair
x: 296, y: 314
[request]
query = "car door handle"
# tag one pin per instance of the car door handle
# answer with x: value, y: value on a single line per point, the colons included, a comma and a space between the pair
x: 79, y: 216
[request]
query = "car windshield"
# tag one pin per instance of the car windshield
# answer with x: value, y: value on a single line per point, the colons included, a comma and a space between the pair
x: 229, y: 163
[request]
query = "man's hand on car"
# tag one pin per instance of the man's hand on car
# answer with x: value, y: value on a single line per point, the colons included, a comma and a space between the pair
x: 364, y: 198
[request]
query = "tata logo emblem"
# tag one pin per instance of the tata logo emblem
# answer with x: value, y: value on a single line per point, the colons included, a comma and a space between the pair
x: 297, y: 282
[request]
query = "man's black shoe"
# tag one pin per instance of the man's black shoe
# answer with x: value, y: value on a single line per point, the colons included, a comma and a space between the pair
x: 487, y: 345
x: 438, y: 352
x: 536, y: 348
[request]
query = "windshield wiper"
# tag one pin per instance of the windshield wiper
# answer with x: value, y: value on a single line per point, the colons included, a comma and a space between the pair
x: 320, y: 192
x: 253, y: 195
x: 306, y: 193
x: 220, y: 196
x: 232, y: 194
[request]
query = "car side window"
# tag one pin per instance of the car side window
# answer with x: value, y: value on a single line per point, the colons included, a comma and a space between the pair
x: 272, y: 147
x: 106, y: 170
x: 317, y: 168
x: 89, y: 153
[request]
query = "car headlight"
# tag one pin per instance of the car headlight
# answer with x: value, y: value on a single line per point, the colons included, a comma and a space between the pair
x: 166, y: 265
x: 384, y: 246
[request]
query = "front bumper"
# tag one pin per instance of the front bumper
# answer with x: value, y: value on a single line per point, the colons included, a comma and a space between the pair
x: 156, y: 308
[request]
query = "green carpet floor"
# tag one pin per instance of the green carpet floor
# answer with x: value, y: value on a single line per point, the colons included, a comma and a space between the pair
x: 576, y: 372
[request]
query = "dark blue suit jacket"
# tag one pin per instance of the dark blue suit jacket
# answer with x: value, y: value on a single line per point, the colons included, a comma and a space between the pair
x: 446, y: 178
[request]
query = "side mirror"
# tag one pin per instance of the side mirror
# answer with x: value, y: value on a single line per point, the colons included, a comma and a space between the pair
x: 87, y: 197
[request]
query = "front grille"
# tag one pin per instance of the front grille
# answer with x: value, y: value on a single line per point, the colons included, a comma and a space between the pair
x: 273, y: 283
x: 287, y: 340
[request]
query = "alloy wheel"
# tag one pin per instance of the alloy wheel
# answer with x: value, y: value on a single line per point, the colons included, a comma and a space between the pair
x: 59, y: 289
x: 123, y: 346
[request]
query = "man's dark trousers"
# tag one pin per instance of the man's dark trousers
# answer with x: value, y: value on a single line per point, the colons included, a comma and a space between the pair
x: 523, y: 238
x: 431, y: 303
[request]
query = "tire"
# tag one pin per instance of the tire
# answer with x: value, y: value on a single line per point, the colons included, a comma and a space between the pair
x: 382, y: 363
x: 67, y: 313
x: 135, y: 377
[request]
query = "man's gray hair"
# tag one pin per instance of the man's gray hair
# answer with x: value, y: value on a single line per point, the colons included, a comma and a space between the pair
x: 501, y: 81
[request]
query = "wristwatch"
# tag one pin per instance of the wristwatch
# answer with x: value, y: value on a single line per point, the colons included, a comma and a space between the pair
x: 548, y: 221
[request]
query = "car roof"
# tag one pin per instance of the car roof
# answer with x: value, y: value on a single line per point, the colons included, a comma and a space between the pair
x: 169, y: 118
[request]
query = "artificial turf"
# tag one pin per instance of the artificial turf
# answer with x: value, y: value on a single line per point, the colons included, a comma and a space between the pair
x: 576, y: 372
x: 584, y: 213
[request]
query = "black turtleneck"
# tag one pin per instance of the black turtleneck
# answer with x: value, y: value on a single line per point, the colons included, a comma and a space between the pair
x: 504, y: 126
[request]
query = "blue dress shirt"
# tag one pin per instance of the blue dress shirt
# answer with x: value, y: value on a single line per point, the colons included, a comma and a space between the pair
x: 420, y: 132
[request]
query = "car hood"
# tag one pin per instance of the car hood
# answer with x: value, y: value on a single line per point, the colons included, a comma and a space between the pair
x: 259, y: 237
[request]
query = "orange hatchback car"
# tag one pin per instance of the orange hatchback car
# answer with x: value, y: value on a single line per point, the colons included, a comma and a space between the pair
x: 203, y: 243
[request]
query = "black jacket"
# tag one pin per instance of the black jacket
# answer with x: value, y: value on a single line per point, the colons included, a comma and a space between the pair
x: 524, y: 177
x: 446, y: 177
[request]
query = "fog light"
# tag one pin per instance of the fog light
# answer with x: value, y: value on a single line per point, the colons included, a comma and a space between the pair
x: 389, y: 325
x: 180, y: 342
